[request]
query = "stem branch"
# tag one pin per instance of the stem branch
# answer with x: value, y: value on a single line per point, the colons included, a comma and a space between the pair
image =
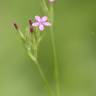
x: 41, y: 73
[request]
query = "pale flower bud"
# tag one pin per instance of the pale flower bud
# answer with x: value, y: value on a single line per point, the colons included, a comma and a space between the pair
x: 51, y: 1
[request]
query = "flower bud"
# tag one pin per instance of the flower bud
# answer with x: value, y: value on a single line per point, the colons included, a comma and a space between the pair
x: 51, y: 1
x: 16, y: 26
x: 30, y: 22
x: 31, y: 29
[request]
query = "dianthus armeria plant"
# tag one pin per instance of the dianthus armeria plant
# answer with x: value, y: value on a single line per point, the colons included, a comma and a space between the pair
x: 33, y: 37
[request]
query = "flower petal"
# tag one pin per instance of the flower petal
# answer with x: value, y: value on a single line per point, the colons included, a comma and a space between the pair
x: 38, y: 18
x: 41, y: 27
x: 44, y: 18
x: 47, y: 24
x: 35, y: 24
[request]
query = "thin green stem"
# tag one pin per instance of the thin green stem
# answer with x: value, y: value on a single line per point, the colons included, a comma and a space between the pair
x: 21, y: 34
x: 44, y: 79
x: 56, y: 70
x: 44, y: 7
x: 41, y: 73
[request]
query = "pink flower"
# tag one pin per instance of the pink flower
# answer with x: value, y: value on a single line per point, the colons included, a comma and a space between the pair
x: 41, y: 22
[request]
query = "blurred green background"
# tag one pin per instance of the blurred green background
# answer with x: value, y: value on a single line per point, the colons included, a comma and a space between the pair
x: 75, y: 34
